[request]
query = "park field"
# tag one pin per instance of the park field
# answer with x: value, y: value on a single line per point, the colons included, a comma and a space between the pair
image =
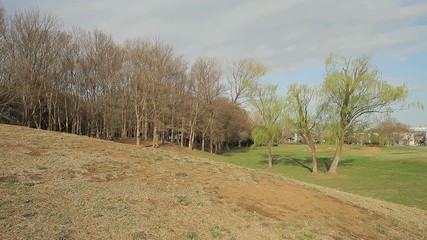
x: 62, y: 186
x: 395, y: 174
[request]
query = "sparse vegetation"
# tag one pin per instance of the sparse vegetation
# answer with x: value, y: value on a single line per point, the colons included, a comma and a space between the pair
x: 181, y: 174
x: 192, y: 235
x: 28, y: 214
x: 382, y: 230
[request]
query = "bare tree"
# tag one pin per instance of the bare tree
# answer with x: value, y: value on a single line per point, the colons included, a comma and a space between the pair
x: 205, y: 86
x: 83, y: 82
x: 99, y: 64
x: 241, y: 74
x: 30, y: 48
x: 391, y: 131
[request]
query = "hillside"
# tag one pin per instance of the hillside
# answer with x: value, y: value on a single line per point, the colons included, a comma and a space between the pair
x: 62, y: 186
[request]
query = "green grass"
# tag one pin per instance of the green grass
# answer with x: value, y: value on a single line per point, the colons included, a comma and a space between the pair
x: 395, y: 174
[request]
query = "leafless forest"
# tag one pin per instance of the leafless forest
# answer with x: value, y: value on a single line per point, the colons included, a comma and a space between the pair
x: 85, y: 83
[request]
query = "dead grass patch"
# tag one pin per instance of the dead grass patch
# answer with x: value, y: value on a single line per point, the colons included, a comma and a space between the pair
x: 83, y: 188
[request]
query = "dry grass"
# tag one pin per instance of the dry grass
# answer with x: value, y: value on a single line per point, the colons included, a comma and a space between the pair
x: 61, y: 186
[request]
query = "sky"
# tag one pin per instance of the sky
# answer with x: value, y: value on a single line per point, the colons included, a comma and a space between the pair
x: 291, y: 38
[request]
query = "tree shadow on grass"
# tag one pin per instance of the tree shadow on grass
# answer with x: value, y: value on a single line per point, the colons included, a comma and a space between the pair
x: 233, y: 151
x: 323, y: 164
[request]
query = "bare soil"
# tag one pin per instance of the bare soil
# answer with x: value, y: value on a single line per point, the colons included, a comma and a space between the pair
x: 61, y: 186
x: 372, y: 149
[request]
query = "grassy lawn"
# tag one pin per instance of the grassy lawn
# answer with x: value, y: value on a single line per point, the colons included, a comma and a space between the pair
x: 396, y: 174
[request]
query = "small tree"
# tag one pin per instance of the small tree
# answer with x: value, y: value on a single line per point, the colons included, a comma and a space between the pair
x: 269, y: 105
x: 391, y: 131
x: 354, y: 89
x: 304, y: 113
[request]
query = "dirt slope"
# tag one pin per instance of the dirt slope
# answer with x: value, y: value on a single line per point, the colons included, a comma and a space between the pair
x: 61, y: 186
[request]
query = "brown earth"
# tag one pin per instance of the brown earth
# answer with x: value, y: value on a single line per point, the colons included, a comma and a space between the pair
x: 374, y: 149
x: 62, y: 186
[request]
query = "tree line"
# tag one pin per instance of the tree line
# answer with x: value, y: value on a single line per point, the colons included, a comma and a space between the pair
x: 85, y: 83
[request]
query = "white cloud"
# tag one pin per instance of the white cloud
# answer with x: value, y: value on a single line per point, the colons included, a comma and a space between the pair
x: 283, y: 35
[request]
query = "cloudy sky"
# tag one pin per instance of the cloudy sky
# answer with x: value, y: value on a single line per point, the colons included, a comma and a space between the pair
x: 290, y: 37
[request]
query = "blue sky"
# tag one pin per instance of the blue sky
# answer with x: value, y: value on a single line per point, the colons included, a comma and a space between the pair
x: 291, y: 38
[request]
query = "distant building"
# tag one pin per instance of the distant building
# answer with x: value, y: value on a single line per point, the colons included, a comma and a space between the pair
x: 417, y: 136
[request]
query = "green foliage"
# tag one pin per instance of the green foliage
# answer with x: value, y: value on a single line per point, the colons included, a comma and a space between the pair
x: 266, y: 101
x: 266, y: 135
x: 269, y: 105
x: 354, y: 89
x: 302, y: 112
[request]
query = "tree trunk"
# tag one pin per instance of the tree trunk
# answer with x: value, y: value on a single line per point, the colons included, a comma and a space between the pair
x: 312, y: 146
x: 138, y: 130
x: 146, y: 127
x: 155, y: 136
x: 104, y: 134
x: 181, y: 137
x: 124, y: 129
x: 191, y: 140
x: 334, y: 164
x: 66, y: 116
x: 203, y: 142
x: 192, y: 135
x: 270, y: 158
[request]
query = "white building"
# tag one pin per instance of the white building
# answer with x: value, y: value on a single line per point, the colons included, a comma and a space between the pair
x: 417, y: 136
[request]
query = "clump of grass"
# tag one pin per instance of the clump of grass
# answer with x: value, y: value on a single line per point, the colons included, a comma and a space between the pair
x: 305, y: 236
x: 394, y: 222
x: 12, y: 180
x: 255, y: 215
x: 218, y: 232
x: 192, y: 235
x: 29, y: 184
x: 139, y: 235
x: 215, y: 232
x: 63, y: 237
x: 67, y: 221
x: 183, y: 200
x: 28, y: 200
x: 38, y: 167
x: 236, y: 209
x: 4, y: 204
x: 28, y: 214
x: 181, y: 174
x: 265, y: 224
x: 382, y: 230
